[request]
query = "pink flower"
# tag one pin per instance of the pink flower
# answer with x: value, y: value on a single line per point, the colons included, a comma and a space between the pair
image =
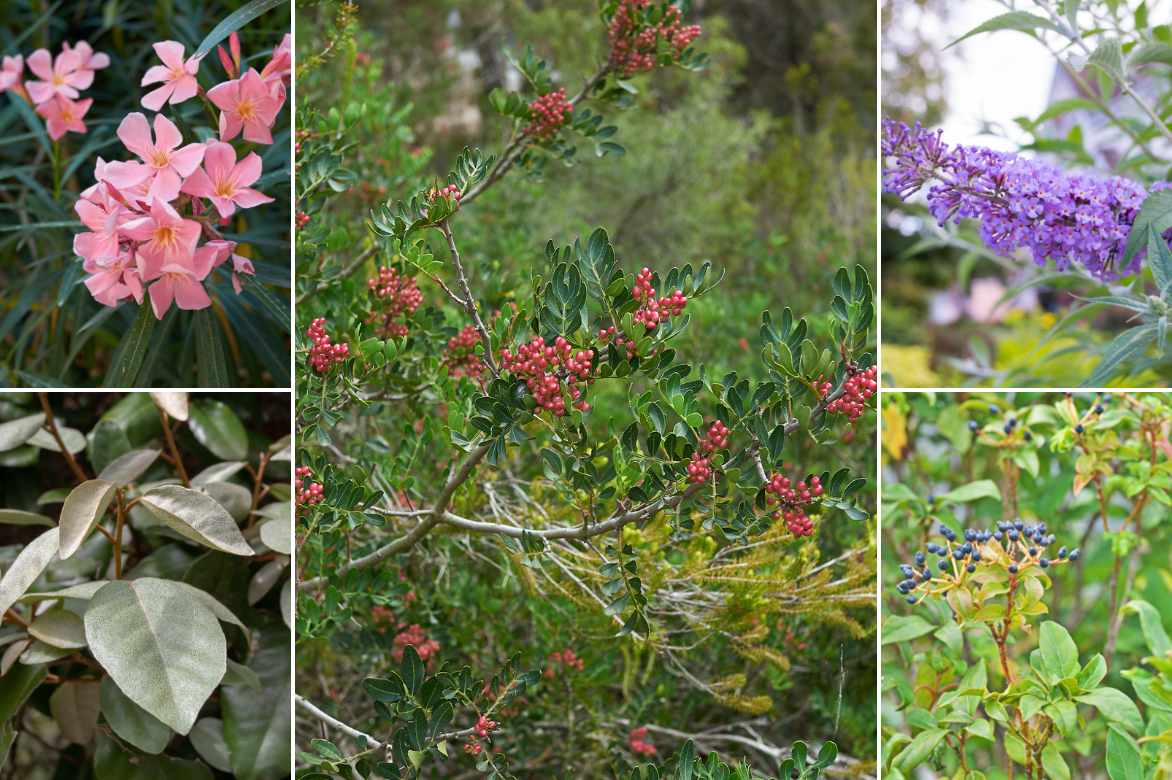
x: 168, y: 238
x: 103, y: 215
x: 10, y: 73
x: 177, y: 75
x: 63, y: 76
x: 231, y: 62
x: 63, y: 115
x: 281, y: 64
x: 225, y: 181
x: 247, y: 104
x: 90, y: 60
x: 181, y: 284
x: 114, y: 279
x: 164, y: 164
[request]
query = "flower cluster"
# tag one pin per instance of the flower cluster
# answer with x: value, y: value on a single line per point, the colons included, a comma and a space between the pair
x: 307, y: 491
x: 567, y: 659
x: 145, y: 217
x: 413, y: 636
x: 793, y: 498
x: 634, y: 42
x: 858, y: 387
x: 56, y: 91
x: 461, y: 357
x: 637, y: 742
x: 1014, y: 546
x: 1020, y: 203
x: 545, y: 368
x: 450, y: 191
x: 550, y: 111
x: 324, y: 354
x: 700, y: 466
x: 652, y: 310
x: 399, y: 296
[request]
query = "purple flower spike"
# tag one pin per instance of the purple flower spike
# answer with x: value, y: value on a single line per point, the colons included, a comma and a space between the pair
x: 1064, y: 217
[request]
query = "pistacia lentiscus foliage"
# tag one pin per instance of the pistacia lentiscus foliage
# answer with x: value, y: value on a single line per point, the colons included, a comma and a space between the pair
x: 1021, y: 536
x: 537, y: 533
x: 146, y: 600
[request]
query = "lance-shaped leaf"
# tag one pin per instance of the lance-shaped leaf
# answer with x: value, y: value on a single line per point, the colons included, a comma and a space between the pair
x: 128, y: 467
x: 83, y: 591
x: 131, y: 722
x: 28, y: 565
x: 163, y: 649
x: 60, y: 628
x: 18, y: 517
x: 16, y: 432
x: 82, y: 510
x: 198, y: 517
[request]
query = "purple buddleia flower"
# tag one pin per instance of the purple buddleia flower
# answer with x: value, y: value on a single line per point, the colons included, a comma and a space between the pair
x: 1067, y: 218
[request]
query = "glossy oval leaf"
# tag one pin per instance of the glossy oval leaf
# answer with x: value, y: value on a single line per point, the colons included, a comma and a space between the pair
x: 129, y: 466
x: 277, y: 534
x: 198, y: 517
x: 82, y: 510
x: 15, y: 433
x: 111, y: 762
x: 257, y: 723
x: 18, y: 517
x: 234, y: 498
x: 207, y: 737
x: 216, y: 426
x: 131, y: 722
x: 73, y: 439
x: 27, y: 567
x: 75, y: 706
x: 219, y: 472
x: 59, y: 627
x: 164, y: 649
x: 264, y: 580
x: 174, y: 404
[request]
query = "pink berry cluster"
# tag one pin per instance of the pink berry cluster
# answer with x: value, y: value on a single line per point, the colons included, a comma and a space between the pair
x: 400, y: 297
x: 634, y: 45
x: 461, y: 357
x: 324, y: 355
x: 413, y: 636
x: 700, y: 467
x: 545, y: 368
x: 550, y: 111
x: 620, y: 341
x: 302, y: 219
x: 793, y: 499
x: 859, y: 386
x: 56, y: 95
x: 637, y: 742
x: 308, y: 492
x: 483, y: 728
x: 567, y: 659
x: 652, y: 310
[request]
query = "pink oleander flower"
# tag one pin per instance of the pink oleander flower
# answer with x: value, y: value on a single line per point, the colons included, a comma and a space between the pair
x: 113, y: 279
x: 62, y: 76
x: 11, y: 72
x: 63, y: 115
x: 104, y: 216
x: 216, y: 252
x: 177, y: 75
x: 90, y: 59
x: 281, y: 65
x: 179, y: 283
x: 246, y: 104
x: 164, y: 165
x: 168, y: 239
x: 230, y: 61
x: 224, y: 181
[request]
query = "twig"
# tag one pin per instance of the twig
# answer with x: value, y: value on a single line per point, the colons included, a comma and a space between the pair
x: 170, y: 439
x: 469, y: 300
x: 51, y: 424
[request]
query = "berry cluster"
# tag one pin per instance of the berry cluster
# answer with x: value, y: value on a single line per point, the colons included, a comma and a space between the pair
x: 1014, y: 546
x: 307, y: 491
x: 634, y: 44
x: 655, y: 310
x: 700, y: 467
x: 544, y: 368
x: 483, y: 728
x: 859, y: 386
x: 620, y: 341
x: 550, y: 111
x: 413, y: 636
x: 324, y: 355
x: 567, y: 659
x: 793, y: 499
x: 461, y: 357
x: 637, y: 742
x: 400, y: 297
x: 302, y: 219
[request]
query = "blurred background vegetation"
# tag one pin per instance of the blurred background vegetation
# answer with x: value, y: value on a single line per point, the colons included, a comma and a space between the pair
x: 764, y: 164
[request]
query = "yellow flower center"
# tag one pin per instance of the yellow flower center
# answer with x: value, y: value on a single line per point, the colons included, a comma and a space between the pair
x: 225, y: 189
x: 246, y: 110
x: 159, y: 159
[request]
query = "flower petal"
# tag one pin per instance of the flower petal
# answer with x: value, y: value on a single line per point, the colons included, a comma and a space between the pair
x: 135, y: 134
